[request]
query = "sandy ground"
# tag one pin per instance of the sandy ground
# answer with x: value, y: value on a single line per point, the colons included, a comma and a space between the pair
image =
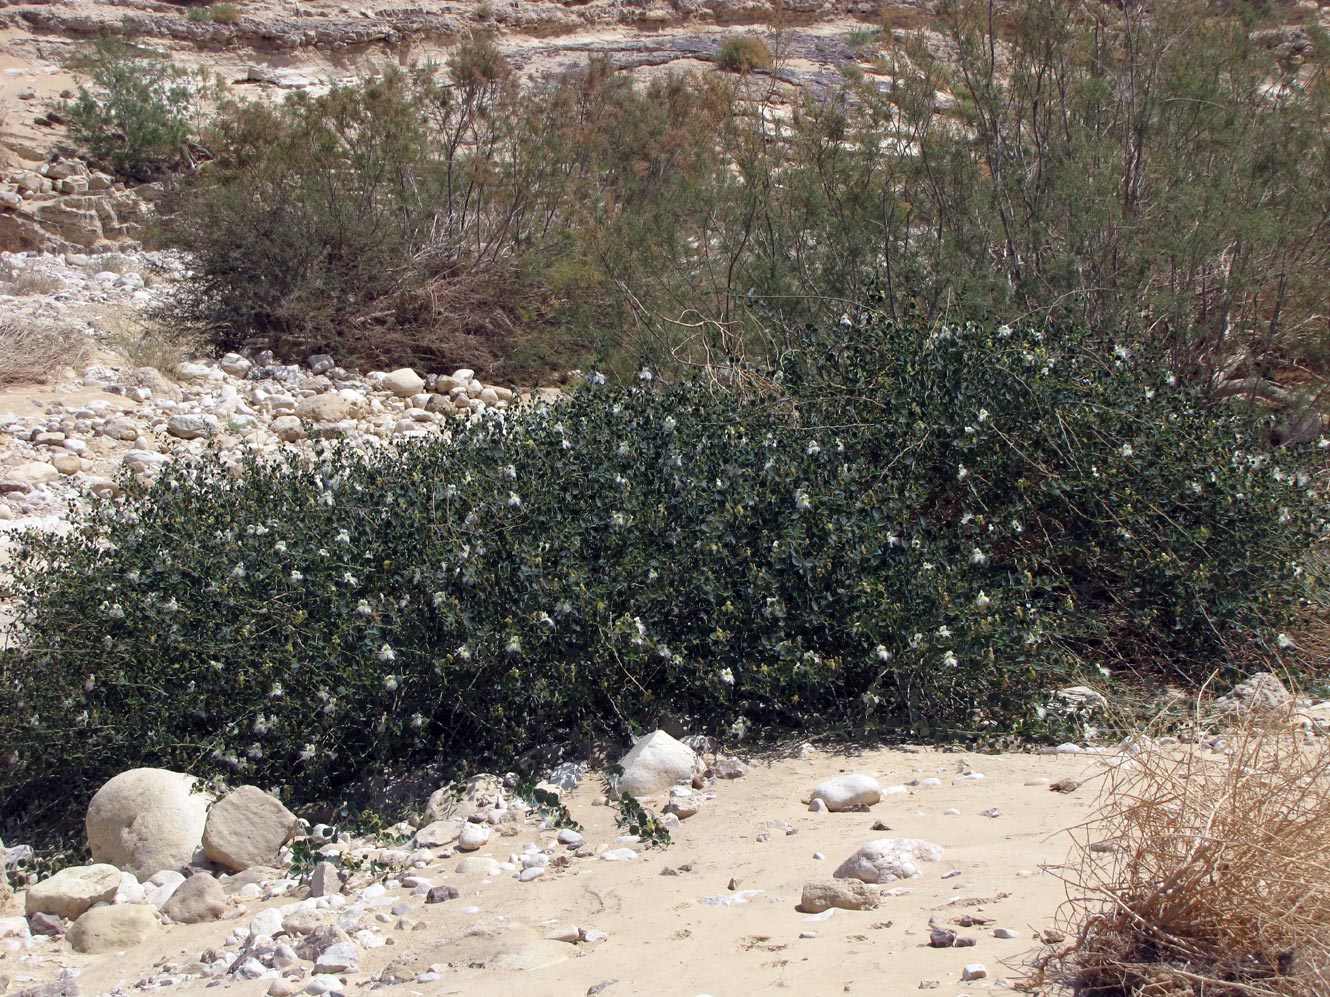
x: 665, y: 939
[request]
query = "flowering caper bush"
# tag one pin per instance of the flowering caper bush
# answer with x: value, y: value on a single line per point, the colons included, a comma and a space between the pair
x: 914, y: 530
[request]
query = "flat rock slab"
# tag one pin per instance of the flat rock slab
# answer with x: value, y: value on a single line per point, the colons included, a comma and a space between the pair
x: 72, y: 891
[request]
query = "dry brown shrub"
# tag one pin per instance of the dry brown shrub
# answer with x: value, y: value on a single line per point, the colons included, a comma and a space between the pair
x: 1206, y: 872
x: 147, y: 342
x: 32, y: 351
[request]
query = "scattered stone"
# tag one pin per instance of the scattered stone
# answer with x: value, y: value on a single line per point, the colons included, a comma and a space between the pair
x: 437, y: 834
x: 199, y: 898
x: 974, y: 971
x: 319, y: 941
x: 888, y: 859
x: 439, y: 894
x: 848, y: 792
x: 1262, y: 691
x: 145, y: 820
x: 403, y: 383
x: 1065, y: 786
x: 729, y: 768
x: 72, y: 891
x: 42, y: 923
x: 847, y: 894
x: 656, y: 762
x: 1005, y: 933
x: 190, y: 427
x: 110, y: 929
x: 473, y: 836
x: 477, y: 865
x: 325, y: 881
x: 340, y: 957
x: 326, y: 407
x: 247, y: 827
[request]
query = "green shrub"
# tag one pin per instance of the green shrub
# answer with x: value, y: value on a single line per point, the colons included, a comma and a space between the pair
x: 916, y: 531
x: 224, y: 13
x: 140, y: 112
x: 743, y: 55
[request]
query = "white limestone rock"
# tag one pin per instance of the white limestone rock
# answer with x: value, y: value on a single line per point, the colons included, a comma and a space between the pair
x: 656, y: 762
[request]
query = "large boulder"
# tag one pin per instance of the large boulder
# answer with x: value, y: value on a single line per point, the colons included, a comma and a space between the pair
x: 888, y: 859
x: 656, y: 763
x: 199, y: 898
x: 110, y: 929
x: 848, y: 792
x: 146, y: 820
x: 72, y: 891
x: 246, y: 828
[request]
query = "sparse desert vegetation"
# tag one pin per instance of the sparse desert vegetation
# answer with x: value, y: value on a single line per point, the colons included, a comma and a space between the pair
x: 943, y: 401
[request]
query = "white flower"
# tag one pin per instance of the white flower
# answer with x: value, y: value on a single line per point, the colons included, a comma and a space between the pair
x: 813, y: 449
x: 949, y: 660
x: 1122, y: 352
x: 170, y: 605
x: 801, y: 500
x: 727, y: 676
x: 981, y: 601
x: 307, y: 753
x: 1127, y: 450
x: 510, y: 472
x: 296, y: 576
x: 238, y: 571
x: 343, y: 537
x: 977, y: 556
x: 944, y: 631
x: 389, y: 681
x: 617, y: 519
x: 983, y: 415
x: 597, y: 378
x: 1004, y: 331
x: 669, y: 424
x: 417, y: 721
x: 280, y: 547
x: 514, y: 500
x: 90, y: 683
x: 276, y: 691
x: 644, y: 375
x: 349, y: 578
x: 386, y: 653
x: 514, y: 645
x: 893, y: 540
x: 1285, y: 641
x: 363, y: 608
x: 882, y: 653
x: 962, y: 473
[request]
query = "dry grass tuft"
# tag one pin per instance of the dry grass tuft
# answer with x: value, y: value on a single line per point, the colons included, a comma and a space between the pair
x: 151, y: 343
x: 33, y: 351
x: 23, y: 282
x: 1206, y: 872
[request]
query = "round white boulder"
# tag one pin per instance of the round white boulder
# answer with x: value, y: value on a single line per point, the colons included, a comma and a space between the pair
x: 146, y: 820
